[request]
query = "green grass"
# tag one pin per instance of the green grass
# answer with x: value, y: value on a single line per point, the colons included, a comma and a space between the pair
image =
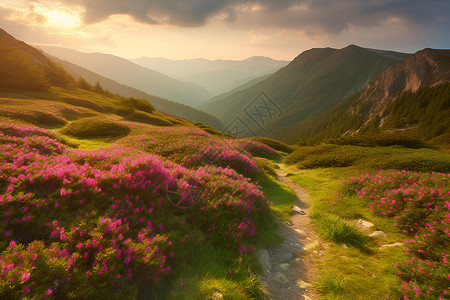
x: 392, y: 157
x: 218, y: 271
x: 334, y: 228
x: 95, y: 128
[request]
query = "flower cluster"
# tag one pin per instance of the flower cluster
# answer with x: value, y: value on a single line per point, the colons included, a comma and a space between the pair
x: 94, y: 224
x: 420, y: 204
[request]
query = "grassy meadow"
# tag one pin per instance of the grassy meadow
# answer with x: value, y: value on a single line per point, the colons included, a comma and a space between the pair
x: 404, y: 193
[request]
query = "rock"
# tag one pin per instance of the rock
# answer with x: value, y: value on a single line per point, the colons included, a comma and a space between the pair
x: 365, y: 224
x: 283, y: 256
x: 281, y: 278
x: 284, y: 266
x: 306, y: 297
x: 298, y: 210
x: 344, y: 246
x: 289, y: 223
x: 391, y: 245
x: 263, y: 258
x: 313, y: 246
x: 303, y: 285
x: 378, y: 233
x: 301, y: 234
x: 217, y: 296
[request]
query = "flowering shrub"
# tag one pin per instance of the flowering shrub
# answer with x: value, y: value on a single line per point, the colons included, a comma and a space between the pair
x: 420, y: 204
x: 102, y: 224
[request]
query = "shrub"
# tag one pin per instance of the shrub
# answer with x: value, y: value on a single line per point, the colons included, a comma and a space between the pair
x: 84, y: 103
x: 255, y: 148
x: 95, y: 128
x: 277, y: 145
x: 36, y: 117
x: 148, y: 119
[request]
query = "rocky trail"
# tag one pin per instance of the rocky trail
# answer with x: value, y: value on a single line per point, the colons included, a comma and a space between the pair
x: 288, y: 269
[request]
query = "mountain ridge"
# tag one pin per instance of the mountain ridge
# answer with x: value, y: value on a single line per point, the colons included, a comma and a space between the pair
x: 134, y: 75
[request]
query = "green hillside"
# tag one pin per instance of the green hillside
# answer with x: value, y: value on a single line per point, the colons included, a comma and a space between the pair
x: 163, y: 105
x: 311, y: 84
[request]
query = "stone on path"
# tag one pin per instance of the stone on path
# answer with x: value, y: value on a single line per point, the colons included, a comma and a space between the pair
x: 378, y: 233
x: 301, y: 234
x: 281, y: 278
x: 282, y: 256
x: 313, y: 246
x: 263, y: 258
x: 298, y: 210
x: 285, y: 266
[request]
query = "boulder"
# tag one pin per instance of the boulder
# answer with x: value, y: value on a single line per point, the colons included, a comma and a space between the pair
x: 391, y: 245
x: 284, y: 266
x: 298, y: 210
x: 263, y: 258
x: 365, y: 224
x: 301, y: 234
x: 378, y: 234
x: 281, y: 278
x: 313, y: 246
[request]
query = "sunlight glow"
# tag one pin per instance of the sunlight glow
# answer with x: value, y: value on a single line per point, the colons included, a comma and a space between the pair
x: 60, y: 17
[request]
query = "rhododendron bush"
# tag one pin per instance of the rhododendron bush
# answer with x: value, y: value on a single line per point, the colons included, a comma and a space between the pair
x: 110, y: 223
x: 420, y: 204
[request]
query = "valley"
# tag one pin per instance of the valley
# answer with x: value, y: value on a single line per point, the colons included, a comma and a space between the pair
x: 120, y: 180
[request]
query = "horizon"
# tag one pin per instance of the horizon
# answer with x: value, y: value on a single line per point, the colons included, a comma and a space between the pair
x: 225, y: 29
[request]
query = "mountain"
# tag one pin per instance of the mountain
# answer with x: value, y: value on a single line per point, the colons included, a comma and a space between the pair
x: 24, y: 67
x: 314, y: 82
x: 218, y: 76
x: 412, y: 97
x: 163, y: 105
x: 131, y: 74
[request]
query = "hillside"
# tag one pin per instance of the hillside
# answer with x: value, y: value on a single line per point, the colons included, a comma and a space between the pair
x: 217, y: 76
x: 24, y: 67
x: 412, y: 97
x: 163, y: 105
x: 311, y: 84
x: 131, y: 74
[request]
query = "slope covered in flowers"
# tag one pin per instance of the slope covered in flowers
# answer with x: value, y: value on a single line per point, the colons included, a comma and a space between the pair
x: 420, y: 204
x: 113, y: 223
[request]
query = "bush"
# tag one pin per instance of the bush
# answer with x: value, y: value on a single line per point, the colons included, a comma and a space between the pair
x: 95, y: 128
x: 277, y: 145
x: 255, y: 148
x: 148, y: 119
x: 36, y: 117
x: 84, y: 103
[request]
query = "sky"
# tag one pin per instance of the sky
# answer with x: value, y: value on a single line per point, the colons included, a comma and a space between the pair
x: 227, y: 29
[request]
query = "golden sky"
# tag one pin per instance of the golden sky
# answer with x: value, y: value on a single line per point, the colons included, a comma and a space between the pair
x: 227, y: 29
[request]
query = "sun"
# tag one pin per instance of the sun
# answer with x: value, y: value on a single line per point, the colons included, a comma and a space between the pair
x: 61, y: 16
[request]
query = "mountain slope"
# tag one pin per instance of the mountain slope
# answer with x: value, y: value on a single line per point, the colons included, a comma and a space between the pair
x: 311, y: 84
x: 163, y: 105
x: 131, y: 74
x: 24, y: 67
x: 412, y: 97
x: 218, y: 76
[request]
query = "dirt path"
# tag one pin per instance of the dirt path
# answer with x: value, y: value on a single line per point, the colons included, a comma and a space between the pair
x: 289, y: 268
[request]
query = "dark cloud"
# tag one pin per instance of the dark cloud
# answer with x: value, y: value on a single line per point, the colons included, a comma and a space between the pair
x: 331, y: 16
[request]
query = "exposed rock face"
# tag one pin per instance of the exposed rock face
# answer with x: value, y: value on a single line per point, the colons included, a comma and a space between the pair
x: 428, y: 67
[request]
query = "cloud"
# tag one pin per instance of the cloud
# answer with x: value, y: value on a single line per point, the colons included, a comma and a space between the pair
x: 329, y: 16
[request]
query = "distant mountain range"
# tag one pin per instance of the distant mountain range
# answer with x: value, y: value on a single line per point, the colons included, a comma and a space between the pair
x: 131, y: 74
x: 314, y: 82
x: 25, y: 68
x: 163, y: 105
x: 217, y: 76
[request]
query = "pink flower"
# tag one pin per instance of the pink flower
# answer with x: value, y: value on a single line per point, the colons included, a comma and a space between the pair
x: 25, y: 276
x: 49, y: 291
